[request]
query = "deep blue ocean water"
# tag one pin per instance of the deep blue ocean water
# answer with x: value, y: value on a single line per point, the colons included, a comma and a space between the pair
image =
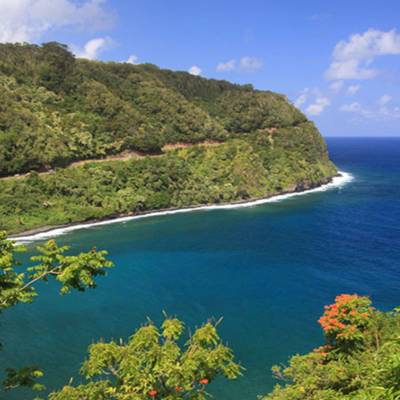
x: 268, y: 270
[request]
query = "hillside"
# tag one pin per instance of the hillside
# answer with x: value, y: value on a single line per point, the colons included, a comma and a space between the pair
x: 56, y: 110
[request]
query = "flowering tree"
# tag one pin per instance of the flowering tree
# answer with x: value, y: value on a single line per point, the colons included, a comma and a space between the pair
x: 359, y: 360
x: 153, y: 365
x: 345, y: 321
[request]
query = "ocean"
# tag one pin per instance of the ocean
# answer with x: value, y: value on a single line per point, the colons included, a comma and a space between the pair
x: 268, y: 270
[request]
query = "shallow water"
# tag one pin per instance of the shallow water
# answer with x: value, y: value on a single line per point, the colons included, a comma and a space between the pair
x: 268, y: 270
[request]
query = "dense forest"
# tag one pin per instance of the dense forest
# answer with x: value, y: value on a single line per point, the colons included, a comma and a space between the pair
x: 55, y: 109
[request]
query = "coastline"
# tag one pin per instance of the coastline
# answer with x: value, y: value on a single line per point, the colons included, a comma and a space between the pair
x: 341, y: 179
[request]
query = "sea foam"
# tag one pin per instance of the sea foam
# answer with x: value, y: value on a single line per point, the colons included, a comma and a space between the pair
x: 337, y: 182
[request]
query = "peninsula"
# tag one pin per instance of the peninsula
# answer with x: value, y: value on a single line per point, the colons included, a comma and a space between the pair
x: 86, y: 140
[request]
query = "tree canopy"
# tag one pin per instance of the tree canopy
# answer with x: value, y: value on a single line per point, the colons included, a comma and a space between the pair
x: 152, y: 364
x: 55, y: 109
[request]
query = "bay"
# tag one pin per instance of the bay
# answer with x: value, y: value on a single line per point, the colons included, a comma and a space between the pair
x: 268, y: 270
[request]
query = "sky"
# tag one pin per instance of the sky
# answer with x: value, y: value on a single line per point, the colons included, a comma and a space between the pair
x: 339, y: 61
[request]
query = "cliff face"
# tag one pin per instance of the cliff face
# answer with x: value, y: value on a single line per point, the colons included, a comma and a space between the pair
x: 55, y: 110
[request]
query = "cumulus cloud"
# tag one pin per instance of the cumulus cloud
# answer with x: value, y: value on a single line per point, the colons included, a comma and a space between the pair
x: 195, y: 70
x: 318, y: 106
x: 245, y: 64
x: 349, y: 69
x: 353, y: 89
x: 93, y: 48
x: 336, y: 86
x: 29, y: 20
x: 132, y: 59
x: 226, y: 66
x: 352, y: 58
x: 312, y: 101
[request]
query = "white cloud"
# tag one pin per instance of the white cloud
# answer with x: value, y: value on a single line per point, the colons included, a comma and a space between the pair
x: 132, y: 59
x: 245, y: 64
x: 349, y: 69
x: 381, y: 113
x: 353, y: 89
x: 385, y: 99
x: 226, y: 66
x: 319, y: 105
x: 354, y: 107
x: 29, y: 20
x: 302, y: 98
x: 195, y: 70
x: 250, y: 63
x: 93, y: 48
x: 352, y: 59
x: 336, y: 86
x: 357, y: 109
x: 312, y: 101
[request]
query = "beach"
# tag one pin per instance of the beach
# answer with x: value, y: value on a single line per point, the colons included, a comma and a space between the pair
x: 342, y: 178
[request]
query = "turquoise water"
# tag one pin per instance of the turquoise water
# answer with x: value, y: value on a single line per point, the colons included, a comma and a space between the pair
x: 268, y: 270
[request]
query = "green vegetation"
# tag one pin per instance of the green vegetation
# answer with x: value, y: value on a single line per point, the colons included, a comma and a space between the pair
x: 234, y: 171
x: 152, y: 364
x: 55, y: 109
x: 76, y: 272
x: 244, y: 144
x: 359, y: 361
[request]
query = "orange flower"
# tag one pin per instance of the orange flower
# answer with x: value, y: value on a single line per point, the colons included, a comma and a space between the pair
x: 152, y: 393
x: 203, y: 381
x: 179, y: 388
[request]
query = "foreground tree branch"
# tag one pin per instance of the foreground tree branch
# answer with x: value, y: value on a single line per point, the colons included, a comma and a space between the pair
x: 70, y: 271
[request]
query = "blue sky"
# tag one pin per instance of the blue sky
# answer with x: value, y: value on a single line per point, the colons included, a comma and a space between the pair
x: 338, y: 61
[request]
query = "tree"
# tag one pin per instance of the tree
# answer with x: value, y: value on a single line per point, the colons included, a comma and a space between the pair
x: 359, y: 360
x: 152, y: 364
x: 58, y: 65
x: 71, y: 271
